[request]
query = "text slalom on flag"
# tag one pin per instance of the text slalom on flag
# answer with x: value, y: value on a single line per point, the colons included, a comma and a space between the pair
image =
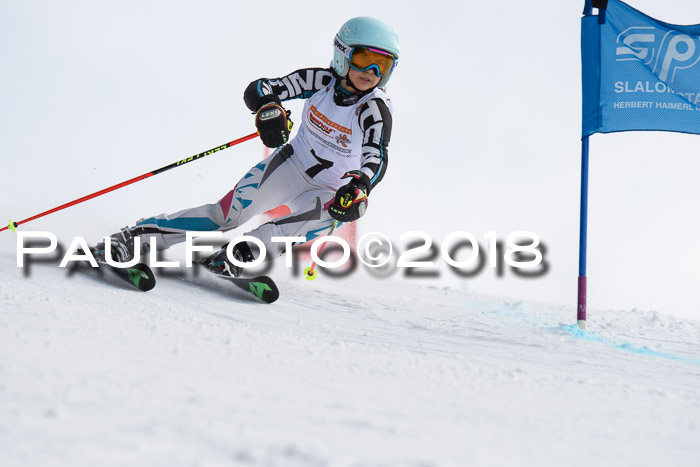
x: 639, y: 73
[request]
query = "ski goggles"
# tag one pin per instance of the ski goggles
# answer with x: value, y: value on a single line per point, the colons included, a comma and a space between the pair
x: 367, y: 58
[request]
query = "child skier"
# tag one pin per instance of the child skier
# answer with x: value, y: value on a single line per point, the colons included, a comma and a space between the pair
x: 324, y: 173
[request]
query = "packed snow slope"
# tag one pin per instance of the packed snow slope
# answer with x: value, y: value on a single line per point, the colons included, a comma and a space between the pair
x: 338, y: 372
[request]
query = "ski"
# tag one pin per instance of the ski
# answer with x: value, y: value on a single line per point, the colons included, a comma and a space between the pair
x: 139, y: 275
x: 261, y: 287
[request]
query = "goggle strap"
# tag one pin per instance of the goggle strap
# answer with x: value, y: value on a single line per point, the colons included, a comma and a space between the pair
x: 379, y: 51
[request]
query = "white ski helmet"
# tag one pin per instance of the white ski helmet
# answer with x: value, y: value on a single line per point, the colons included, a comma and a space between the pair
x: 368, y: 32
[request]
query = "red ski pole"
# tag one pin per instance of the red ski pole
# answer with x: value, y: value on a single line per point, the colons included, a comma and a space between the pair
x: 13, y: 225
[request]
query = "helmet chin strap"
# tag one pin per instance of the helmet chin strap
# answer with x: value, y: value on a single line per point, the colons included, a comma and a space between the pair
x: 357, y: 91
x: 350, y: 84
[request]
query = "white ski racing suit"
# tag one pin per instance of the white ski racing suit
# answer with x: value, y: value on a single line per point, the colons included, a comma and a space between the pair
x: 338, y: 132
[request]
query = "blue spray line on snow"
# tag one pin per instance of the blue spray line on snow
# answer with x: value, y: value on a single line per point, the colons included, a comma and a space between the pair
x: 579, y: 333
x: 513, y: 313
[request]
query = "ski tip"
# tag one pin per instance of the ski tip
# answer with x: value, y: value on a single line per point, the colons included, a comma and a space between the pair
x: 141, y: 277
x: 272, y: 297
x: 264, y: 289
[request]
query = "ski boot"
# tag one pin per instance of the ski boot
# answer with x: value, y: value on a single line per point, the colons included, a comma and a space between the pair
x: 122, y: 247
x: 218, y: 263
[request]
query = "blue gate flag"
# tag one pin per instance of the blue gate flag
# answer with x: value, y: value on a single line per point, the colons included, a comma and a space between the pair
x: 639, y: 73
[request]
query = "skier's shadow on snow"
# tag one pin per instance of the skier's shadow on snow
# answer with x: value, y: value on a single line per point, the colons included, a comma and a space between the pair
x: 30, y: 259
x: 98, y: 274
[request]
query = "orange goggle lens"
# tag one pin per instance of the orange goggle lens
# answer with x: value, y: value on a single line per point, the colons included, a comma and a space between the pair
x: 363, y: 59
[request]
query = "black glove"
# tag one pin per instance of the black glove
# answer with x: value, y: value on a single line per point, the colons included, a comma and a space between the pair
x: 351, y: 200
x: 273, y: 122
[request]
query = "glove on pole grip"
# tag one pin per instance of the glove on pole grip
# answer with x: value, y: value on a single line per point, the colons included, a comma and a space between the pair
x: 272, y: 122
x: 351, y: 200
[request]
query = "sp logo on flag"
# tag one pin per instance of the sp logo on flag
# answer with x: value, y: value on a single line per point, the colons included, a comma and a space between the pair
x: 665, y: 52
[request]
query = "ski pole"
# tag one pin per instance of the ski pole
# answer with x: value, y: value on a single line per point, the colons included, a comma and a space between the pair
x: 310, y: 273
x: 13, y: 225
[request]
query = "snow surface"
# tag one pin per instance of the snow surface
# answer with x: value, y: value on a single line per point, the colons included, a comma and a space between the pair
x: 359, y: 371
x: 338, y: 372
